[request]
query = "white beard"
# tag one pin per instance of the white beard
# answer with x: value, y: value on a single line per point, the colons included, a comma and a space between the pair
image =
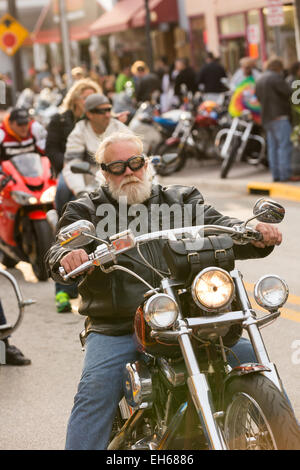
x: 135, y: 190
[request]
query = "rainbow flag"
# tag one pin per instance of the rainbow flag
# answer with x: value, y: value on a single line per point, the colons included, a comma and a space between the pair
x: 244, y: 98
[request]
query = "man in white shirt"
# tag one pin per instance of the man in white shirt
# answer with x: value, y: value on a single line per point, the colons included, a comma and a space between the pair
x: 84, y: 140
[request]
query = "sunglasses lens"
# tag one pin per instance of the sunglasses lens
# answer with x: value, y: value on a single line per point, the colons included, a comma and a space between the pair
x: 101, y: 111
x: 136, y: 163
x: 117, y: 168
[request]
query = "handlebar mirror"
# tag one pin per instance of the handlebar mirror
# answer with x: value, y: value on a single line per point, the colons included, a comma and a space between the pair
x: 81, y: 167
x: 76, y: 235
x: 269, y: 211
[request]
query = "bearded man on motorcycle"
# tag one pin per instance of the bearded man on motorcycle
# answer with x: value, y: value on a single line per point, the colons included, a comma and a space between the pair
x: 20, y: 134
x: 110, y: 300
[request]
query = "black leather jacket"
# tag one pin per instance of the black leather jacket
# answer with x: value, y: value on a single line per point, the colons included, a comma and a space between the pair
x: 110, y: 300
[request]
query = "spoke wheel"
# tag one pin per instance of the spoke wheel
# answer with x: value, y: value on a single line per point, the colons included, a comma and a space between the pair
x: 258, y: 416
x: 247, y: 425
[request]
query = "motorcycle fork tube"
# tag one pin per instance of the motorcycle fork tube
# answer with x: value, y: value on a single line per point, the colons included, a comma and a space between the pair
x: 229, y: 137
x: 201, y: 395
x: 244, y: 139
x: 198, y: 384
x: 254, y: 333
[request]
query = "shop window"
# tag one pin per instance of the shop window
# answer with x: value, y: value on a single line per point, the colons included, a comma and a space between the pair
x: 232, y: 50
x: 232, y: 25
x: 280, y: 40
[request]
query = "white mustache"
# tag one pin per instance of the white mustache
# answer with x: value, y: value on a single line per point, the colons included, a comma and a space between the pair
x: 130, y: 179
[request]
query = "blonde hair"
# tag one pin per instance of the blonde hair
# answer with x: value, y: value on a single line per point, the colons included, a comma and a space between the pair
x: 69, y: 103
x: 117, y: 137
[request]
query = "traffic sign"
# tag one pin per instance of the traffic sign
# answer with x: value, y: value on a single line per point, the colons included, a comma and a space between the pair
x: 12, y: 34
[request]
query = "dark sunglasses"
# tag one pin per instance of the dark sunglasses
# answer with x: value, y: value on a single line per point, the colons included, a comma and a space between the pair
x: 135, y: 163
x: 100, y: 111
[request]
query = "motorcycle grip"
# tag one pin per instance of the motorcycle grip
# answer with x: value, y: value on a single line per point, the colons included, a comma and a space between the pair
x: 258, y: 236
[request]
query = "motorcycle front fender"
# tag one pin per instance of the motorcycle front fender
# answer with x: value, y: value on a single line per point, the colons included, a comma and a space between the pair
x: 37, y: 215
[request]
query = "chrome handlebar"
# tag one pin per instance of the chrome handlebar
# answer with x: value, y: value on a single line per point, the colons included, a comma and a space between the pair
x: 106, y: 254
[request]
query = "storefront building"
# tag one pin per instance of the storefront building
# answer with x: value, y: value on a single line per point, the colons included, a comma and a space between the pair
x: 233, y: 30
x: 123, y: 29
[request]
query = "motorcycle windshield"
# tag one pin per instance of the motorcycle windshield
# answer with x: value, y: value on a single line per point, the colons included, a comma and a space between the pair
x: 28, y: 164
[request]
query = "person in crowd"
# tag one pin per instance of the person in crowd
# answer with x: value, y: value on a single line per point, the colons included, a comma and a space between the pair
x: 19, y: 133
x: 274, y: 95
x: 146, y: 82
x: 163, y: 71
x: 210, y: 77
x: 81, y: 145
x: 185, y: 76
x: 62, y: 124
x: 123, y: 78
x: 13, y: 355
x: 78, y: 73
x: 109, y: 324
x: 247, y: 69
x: 293, y: 73
x: 59, y: 129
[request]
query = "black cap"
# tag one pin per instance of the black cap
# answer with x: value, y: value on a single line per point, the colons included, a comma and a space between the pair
x: 20, y: 115
x: 94, y: 100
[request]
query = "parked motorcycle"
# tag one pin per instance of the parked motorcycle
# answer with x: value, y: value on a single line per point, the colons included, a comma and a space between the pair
x: 27, y: 192
x: 152, y: 127
x: 182, y: 393
x: 8, y: 328
x: 242, y: 141
x: 194, y: 135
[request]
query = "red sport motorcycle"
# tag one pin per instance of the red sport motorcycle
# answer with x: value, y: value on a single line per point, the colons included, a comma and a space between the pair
x: 27, y: 192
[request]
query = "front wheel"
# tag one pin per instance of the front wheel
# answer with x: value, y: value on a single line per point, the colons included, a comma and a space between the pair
x: 230, y: 157
x: 258, y: 416
x: 42, y: 240
x: 175, y: 165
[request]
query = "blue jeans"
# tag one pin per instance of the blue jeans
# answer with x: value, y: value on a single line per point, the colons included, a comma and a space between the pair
x: 280, y: 149
x: 101, y: 387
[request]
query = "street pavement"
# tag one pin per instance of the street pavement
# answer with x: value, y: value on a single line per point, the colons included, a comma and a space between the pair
x: 36, y: 400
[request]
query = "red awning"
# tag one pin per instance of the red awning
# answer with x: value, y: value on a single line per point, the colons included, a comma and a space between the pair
x: 161, y: 11
x: 77, y: 33
x: 118, y: 19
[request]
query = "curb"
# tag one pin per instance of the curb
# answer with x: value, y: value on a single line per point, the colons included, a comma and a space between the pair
x: 275, y: 190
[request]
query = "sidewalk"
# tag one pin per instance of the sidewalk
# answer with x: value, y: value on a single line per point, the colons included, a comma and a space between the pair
x: 242, y: 178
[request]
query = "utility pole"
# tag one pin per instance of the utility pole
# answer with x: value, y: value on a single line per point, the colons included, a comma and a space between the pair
x: 148, y: 36
x: 17, y: 72
x: 65, y: 41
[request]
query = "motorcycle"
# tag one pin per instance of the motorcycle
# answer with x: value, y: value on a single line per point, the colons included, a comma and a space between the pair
x: 27, y: 192
x: 194, y: 135
x: 153, y: 127
x: 182, y: 393
x: 7, y: 329
x: 243, y: 141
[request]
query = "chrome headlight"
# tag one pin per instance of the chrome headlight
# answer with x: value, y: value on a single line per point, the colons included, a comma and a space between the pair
x: 271, y: 292
x: 213, y: 289
x: 48, y: 195
x: 161, y: 312
x: 23, y: 198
